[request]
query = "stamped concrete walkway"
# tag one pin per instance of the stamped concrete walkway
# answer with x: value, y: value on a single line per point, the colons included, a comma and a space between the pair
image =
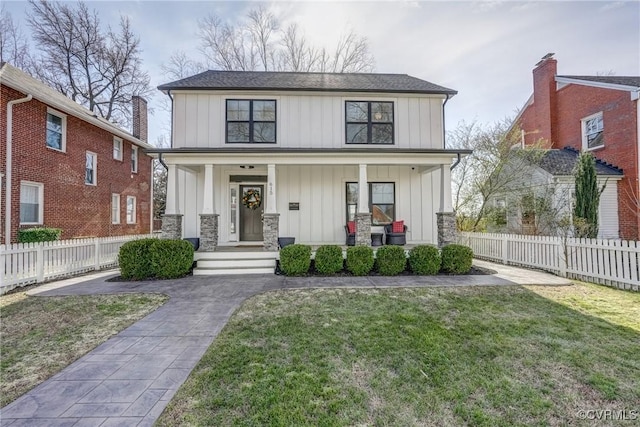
x: 129, y: 379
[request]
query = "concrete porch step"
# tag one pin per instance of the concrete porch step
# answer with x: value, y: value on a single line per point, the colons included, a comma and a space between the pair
x: 245, y: 262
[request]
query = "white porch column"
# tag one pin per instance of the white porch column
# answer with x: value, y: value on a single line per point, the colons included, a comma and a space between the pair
x: 271, y: 190
x: 446, y: 204
x: 172, y: 206
x: 208, y: 219
x: 363, y: 190
x: 172, y: 218
x: 207, y: 199
x: 271, y: 217
x: 363, y: 216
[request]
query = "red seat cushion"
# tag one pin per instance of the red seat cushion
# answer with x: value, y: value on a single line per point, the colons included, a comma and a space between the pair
x: 397, y: 227
x: 351, y: 225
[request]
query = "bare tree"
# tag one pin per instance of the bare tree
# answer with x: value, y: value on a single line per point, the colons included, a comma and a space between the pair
x: 180, y: 66
x: 14, y: 47
x: 101, y: 69
x: 258, y: 42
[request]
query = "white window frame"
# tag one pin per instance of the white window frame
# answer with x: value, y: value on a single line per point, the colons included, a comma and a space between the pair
x: 131, y: 215
x: 134, y: 159
x: 95, y: 168
x: 585, y: 135
x: 117, y: 148
x: 115, y: 208
x: 40, y: 187
x: 63, y: 118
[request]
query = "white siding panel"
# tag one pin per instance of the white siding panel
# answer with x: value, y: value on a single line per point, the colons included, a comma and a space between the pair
x: 191, y: 112
x: 414, y: 126
x: 216, y: 121
x: 202, y: 124
x: 179, y: 121
x: 435, y: 140
x: 425, y: 123
x: 608, y: 211
x: 402, y: 120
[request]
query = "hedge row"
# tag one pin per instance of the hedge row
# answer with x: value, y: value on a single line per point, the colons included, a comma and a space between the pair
x: 155, y: 258
x: 38, y: 234
x: 295, y: 260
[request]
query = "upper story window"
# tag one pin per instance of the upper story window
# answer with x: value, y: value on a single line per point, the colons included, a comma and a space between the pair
x: 593, y: 132
x: 91, y: 160
x: 251, y: 121
x: 56, y: 130
x: 117, y: 148
x: 31, y: 202
x: 369, y: 122
x: 134, y: 159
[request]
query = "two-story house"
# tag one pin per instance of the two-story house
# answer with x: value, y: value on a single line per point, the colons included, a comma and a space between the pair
x: 599, y: 114
x: 257, y: 155
x: 64, y: 167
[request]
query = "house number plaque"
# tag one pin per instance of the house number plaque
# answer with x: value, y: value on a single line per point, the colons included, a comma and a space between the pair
x: 294, y: 206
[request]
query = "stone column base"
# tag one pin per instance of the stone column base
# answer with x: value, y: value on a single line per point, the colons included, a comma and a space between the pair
x: 208, y: 232
x: 363, y: 229
x: 171, y: 226
x: 270, y: 231
x: 447, y: 230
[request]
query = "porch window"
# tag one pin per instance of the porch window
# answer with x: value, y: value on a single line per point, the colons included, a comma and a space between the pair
x: 382, y: 203
x: 369, y: 122
x: 251, y: 121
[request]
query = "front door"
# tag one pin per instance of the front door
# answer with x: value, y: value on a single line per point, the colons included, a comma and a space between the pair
x: 251, y: 208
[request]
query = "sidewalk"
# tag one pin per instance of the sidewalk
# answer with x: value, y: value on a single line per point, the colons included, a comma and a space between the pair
x: 129, y: 379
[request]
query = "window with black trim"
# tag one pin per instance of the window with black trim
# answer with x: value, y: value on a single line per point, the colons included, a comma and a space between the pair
x: 251, y: 121
x: 369, y: 122
x: 382, y: 202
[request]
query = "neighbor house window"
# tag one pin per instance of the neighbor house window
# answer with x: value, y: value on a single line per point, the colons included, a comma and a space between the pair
x: 117, y: 148
x: 31, y: 202
x: 251, y: 121
x: 382, y: 203
x: 134, y: 159
x: 593, y: 132
x: 131, y: 210
x: 369, y: 122
x: 56, y: 130
x: 90, y: 168
x: 115, y: 208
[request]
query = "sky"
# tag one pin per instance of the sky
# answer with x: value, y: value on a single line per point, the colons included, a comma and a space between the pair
x: 486, y: 50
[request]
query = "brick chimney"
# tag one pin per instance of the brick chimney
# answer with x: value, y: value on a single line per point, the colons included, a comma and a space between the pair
x: 139, y: 117
x: 544, y: 99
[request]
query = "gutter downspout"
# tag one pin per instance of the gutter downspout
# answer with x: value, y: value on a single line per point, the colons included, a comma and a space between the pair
x: 9, y: 166
x: 456, y: 163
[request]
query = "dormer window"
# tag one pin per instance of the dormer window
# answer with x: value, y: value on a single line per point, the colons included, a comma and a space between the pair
x: 593, y: 132
x: 251, y: 121
x: 369, y: 122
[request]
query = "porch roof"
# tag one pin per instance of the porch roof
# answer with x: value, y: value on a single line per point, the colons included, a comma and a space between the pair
x: 297, y: 156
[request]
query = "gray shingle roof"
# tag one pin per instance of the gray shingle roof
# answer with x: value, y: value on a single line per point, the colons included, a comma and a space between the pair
x: 290, y: 81
x: 631, y: 81
x: 562, y: 162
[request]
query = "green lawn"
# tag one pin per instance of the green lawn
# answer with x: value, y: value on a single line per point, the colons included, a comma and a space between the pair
x: 42, y: 335
x: 491, y: 356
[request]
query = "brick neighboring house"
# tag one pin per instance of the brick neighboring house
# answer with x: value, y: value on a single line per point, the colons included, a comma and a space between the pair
x: 67, y: 167
x: 595, y: 113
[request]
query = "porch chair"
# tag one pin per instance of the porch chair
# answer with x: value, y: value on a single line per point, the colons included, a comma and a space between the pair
x: 350, y: 230
x: 396, y: 233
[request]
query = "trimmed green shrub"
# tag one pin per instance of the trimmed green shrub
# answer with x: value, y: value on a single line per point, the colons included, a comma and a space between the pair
x: 39, y: 234
x: 359, y: 260
x: 424, y: 260
x: 329, y: 259
x: 134, y: 259
x: 295, y: 259
x: 456, y: 259
x: 391, y: 260
x: 171, y: 259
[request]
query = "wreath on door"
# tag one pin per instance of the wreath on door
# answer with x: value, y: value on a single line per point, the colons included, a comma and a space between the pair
x: 251, y: 199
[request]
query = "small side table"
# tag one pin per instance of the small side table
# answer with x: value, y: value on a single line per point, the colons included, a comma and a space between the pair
x: 376, y: 239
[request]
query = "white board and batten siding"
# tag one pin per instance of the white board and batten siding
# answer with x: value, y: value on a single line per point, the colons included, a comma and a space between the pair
x: 320, y: 192
x: 309, y: 120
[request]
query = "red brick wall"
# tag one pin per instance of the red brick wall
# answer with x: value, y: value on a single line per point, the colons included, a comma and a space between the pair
x: 575, y: 102
x: 80, y: 210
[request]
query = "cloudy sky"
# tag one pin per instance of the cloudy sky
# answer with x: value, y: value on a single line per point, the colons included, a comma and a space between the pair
x: 483, y: 49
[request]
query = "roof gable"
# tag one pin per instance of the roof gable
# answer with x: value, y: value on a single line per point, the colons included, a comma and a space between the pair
x: 293, y: 81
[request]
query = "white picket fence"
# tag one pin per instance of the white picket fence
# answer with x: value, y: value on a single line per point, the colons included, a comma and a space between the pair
x: 609, y: 262
x: 27, y: 263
